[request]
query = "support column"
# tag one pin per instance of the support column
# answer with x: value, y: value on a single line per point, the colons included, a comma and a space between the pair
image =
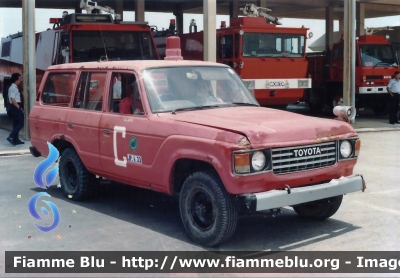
x: 210, y: 33
x: 234, y: 9
x: 179, y: 21
x: 341, y: 26
x: 328, y: 27
x: 360, y: 16
x: 78, y: 9
x: 29, y: 60
x: 139, y: 10
x: 349, y: 53
x: 119, y: 8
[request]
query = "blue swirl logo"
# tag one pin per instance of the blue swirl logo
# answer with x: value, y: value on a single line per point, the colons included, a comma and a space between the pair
x: 45, y: 180
x: 44, y: 165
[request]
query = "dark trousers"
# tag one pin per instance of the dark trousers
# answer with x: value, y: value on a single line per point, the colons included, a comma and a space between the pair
x: 18, y: 122
x: 394, y: 107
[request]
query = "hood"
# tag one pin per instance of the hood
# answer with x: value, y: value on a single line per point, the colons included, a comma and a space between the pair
x: 266, y: 126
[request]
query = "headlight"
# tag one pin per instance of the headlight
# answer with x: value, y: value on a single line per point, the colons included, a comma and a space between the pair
x: 252, y: 161
x: 258, y: 161
x: 346, y: 149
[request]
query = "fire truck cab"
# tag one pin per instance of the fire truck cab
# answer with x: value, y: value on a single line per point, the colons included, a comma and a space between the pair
x: 270, y: 59
x: 80, y: 38
x: 376, y: 61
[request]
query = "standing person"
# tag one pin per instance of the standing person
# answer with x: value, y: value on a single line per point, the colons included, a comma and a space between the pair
x: 117, y: 88
x: 393, y: 89
x: 16, y: 110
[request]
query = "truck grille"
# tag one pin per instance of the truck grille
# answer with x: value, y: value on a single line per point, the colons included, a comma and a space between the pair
x: 302, y: 158
x: 374, y: 77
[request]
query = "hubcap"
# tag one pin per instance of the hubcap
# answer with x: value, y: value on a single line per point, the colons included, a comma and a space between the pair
x: 202, y: 210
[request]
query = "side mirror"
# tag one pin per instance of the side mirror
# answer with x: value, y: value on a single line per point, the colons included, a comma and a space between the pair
x: 64, y: 39
x: 345, y: 113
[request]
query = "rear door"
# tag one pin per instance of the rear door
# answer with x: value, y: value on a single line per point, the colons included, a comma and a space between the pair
x: 83, y: 119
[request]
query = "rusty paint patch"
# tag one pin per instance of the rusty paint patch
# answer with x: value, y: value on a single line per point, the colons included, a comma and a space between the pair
x: 243, y: 142
x: 209, y: 159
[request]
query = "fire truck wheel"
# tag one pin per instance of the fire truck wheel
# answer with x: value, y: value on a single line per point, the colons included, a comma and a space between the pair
x: 319, y: 210
x: 76, y: 181
x: 380, y: 108
x: 207, y: 210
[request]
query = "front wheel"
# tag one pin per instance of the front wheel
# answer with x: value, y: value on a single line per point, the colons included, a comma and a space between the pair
x: 76, y: 181
x: 208, y: 212
x: 320, y: 209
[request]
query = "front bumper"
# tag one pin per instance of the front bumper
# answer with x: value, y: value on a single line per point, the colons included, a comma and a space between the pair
x: 293, y: 196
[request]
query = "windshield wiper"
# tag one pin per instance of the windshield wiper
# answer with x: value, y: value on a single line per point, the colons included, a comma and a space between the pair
x: 244, y: 104
x: 194, y: 108
x: 382, y: 63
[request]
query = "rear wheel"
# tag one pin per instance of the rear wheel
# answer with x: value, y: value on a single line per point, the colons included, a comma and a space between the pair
x: 380, y: 108
x: 208, y: 212
x: 320, y: 209
x: 315, y: 100
x: 76, y: 181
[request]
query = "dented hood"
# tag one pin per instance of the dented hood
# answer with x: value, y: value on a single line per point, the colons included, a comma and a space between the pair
x: 264, y: 125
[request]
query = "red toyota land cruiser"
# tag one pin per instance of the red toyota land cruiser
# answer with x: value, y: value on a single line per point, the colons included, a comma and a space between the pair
x: 191, y: 128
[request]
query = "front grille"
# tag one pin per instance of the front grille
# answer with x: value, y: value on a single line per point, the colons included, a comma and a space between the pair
x: 374, y: 77
x: 303, y: 158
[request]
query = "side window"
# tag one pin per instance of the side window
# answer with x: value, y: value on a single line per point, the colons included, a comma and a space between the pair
x: 90, y: 90
x: 124, y: 96
x: 58, y: 88
x: 336, y: 54
x: 228, y: 47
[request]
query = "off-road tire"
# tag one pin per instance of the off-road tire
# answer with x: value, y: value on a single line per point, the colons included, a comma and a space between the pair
x: 320, y: 209
x: 76, y: 181
x: 207, y: 210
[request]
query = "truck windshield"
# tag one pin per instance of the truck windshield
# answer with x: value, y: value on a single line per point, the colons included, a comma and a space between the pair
x: 193, y: 88
x: 93, y: 45
x: 378, y: 55
x: 273, y: 45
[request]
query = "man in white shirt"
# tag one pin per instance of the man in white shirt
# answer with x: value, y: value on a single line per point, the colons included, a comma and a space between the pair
x: 16, y: 110
x: 117, y: 88
x: 393, y: 89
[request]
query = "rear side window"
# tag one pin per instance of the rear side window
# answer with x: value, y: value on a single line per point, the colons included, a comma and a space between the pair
x: 58, y: 88
x: 90, y: 90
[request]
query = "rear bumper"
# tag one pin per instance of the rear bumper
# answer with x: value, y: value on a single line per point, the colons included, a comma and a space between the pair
x: 292, y: 196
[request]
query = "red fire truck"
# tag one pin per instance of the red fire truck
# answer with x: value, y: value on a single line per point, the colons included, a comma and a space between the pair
x: 80, y: 38
x: 376, y: 62
x: 270, y: 59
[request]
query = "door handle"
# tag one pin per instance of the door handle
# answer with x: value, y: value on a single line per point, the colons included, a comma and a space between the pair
x: 70, y: 125
x: 106, y: 131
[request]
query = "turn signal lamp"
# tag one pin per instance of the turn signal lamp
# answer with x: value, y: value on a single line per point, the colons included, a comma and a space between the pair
x: 242, y: 163
x: 357, y: 148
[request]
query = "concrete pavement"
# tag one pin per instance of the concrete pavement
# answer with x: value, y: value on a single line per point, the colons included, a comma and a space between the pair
x: 366, y: 122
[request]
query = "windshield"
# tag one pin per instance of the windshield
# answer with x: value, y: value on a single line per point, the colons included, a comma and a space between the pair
x: 273, y: 45
x: 377, y: 55
x: 92, y: 45
x: 191, y: 88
